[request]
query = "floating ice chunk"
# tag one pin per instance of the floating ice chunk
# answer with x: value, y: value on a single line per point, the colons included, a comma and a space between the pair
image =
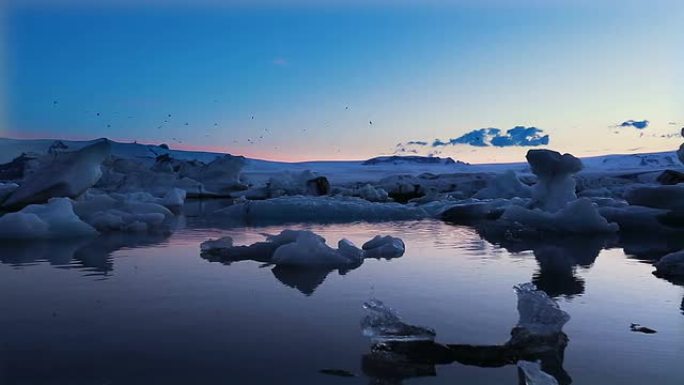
x: 318, y: 209
x: 372, y: 194
x: 539, y: 314
x: 637, y: 218
x: 579, y: 216
x: 671, y: 265
x: 214, y: 245
x: 174, y: 199
x: 555, y: 185
x: 534, y: 375
x: 66, y: 174
x: 474, y: 210
x: 123, y: 212
x: 382, y: 324
x: 310, y: 250
x: 55, y: 219
x: 302, y: 249
x: 505, y: 185
x: 303, y: 183
x: 288, y: 236
x: 387, y: 247
x: 222, y: 175
x: 659, y: 197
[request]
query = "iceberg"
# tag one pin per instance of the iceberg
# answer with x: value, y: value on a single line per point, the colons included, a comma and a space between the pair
x: 671, y: 265
x: 123, y: 212
x: 505, y: 185
x: 303, y: 183
x: 6, y: 189
x: 555, y: 185
x: 62, y: 174
x: 317, y: 209
x: 578, y: 217
x: 659, y: 197
x: 310, y: 250
x: 54, y: 219
x: 304, y: 249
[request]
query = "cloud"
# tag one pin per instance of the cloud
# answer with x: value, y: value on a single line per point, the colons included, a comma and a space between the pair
x: 416, y: 143
x: 638, y: 124
x: 519, y: 136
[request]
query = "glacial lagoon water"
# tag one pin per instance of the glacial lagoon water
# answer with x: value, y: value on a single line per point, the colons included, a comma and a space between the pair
x: 151, y: 310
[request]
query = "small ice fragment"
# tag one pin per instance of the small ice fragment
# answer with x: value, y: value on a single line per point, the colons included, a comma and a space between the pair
x: 215, y: 245
x: 534, y: 375
x: 382, y: 324
x: 387, y: 247
x: 539, y: 313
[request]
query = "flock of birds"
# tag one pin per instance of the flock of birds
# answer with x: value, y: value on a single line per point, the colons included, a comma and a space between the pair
x: 167, y: 120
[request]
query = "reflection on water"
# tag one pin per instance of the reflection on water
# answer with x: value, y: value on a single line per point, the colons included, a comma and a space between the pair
x: 90, y: 255
x: 166, y: 315
x: 400, y: 351
x: 557, y: 256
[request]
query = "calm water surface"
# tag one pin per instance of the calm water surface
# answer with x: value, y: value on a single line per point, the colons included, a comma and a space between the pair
x: 150, y: 310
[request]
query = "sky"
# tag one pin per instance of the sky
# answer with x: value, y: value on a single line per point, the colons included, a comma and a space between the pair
x: 304, y: 80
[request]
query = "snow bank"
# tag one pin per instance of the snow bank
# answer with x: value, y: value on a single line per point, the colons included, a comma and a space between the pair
x: 579, y: 216
x: 383, y: 324
x: 64, y: 174
x: 671, y: 265
x: 505, y: 185
x: 55, y: 219
x: 555, y: 185
x: 317, y: 209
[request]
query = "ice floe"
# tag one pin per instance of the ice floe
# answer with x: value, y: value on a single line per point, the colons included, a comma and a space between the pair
x: 304, y: 249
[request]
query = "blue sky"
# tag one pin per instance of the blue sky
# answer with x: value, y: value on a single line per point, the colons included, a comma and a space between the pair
x: 305, y: 81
